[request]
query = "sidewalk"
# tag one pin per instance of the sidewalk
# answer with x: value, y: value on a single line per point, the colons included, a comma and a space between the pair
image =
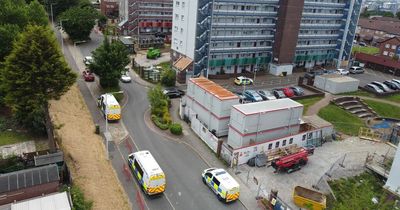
x: 314, y: 109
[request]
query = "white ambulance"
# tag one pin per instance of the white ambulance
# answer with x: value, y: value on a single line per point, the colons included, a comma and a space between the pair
x: 222, y: 184
x: 148, y: 172
x: 109, y: 106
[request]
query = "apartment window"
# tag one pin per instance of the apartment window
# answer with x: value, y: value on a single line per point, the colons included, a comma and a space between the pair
x: 183, y: 4
x: 176, y: 16
x: 277, y: 144
x: 284, y: 143
x: 182, y: 18
x: 229, y: 55
x: 387, y: 45
x: 181, y: 43
x: 391, y: 54
x: 181, y: 30
x: 177, y: 3
x: 291, y: 141
x: 175, y: 28
x: 385, y: 52
x: 235, y: 7
x: 394, y: 47
x: 269, y: 146
x: 304, y: 137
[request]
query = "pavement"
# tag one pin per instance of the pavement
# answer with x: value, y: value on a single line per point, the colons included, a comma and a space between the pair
x: 17, y: 149
x: 314, y: 109
x: 370, y: 75
x: 142, y: 60
x: 180, y: 162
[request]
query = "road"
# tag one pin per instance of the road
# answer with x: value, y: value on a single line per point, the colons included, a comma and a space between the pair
x: 181, y: 165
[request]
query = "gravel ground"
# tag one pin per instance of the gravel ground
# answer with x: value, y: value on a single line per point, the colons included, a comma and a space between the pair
x: 85, y: 153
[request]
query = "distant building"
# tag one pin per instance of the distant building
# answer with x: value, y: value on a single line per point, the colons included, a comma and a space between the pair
x: 109, y: 8
x: 390, y: 47
x: 233, y: 37
x: 377, y: 29
x: 149, y: 22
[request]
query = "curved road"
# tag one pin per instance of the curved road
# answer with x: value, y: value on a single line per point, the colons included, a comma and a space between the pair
x: 181, y: 164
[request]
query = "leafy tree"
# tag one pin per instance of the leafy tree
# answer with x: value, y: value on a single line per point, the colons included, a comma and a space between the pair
x: 78, y: 22
x: 168, y: 77
x: 37, y: 14
x: 8, y: 33
x: 59, y: 6
x: 13, y: 12
x: 34, y: 73
x: 109, y: 60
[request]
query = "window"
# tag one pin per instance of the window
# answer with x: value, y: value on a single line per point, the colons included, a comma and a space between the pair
x: 391, y: 54
x: 269, y: 146
x: 176, y: 16
x: 309, y: 135
x: 291, y: 141
x: 235, y: 7
x: 215, y: 181
x: 393, y: 47
x: 387, y: 45
x: 138, y: 168
x: 277, y: 144
x: 181, y: 43
x: 304, y: 137
x: 183, y: 4
x: 385, y: 53
x: 181, y: 30
x: 182, y: 17
x: 177, y: 3
x: 284, y: 143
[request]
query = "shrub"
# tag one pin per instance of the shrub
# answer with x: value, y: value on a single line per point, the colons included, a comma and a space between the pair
x: 78, y: 199
x: 176, y: 128
x: 159, y: 124
x: 168, y: 77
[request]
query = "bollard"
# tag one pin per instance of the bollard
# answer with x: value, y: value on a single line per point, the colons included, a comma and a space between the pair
x: 97, y: 129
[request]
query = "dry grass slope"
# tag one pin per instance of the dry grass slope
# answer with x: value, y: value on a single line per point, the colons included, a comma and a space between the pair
x: 85, y: 153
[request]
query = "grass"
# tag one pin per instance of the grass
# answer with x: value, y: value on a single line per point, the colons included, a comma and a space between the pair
x: 358, y: 93
x: 118, y: 96
x: 12, y: 137
x: 357, y: 193
x: 394, y: 98
x: 383, y: 109
x: 342, y: 121
x: 307, y: 102
x: 165, y: 65
x: 368, y: 50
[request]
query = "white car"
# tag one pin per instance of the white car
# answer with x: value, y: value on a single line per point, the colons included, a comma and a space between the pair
x: 88, y: 60
x: 125, y: 77
x: 342, y: 71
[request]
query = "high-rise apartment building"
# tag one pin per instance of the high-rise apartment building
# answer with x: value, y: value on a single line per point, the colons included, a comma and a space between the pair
x: 235, y: 36
x: 149, y: 22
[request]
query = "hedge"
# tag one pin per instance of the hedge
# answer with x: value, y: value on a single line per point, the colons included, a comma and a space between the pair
x: 176, y: 128
x: 159, y: 124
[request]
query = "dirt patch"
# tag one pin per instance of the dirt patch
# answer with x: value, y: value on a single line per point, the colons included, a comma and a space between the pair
x: 85, y: 152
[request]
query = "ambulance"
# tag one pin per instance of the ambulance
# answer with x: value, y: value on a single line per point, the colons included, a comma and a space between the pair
x: 110, y: 107
x: 221, y: 183
x: 148, y: 172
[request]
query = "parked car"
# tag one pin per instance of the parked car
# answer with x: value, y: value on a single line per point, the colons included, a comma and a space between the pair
x: 88, y: 76
x: 288, y: 92
x: 392, y: 85
x: 356, y: 70
x: 242, y: 98
x: 243, y: 81
x: 279, y: 93
x: 88, y: 60
x: 382, y: 86
x: 266, y: 95
x: 396, y: 81
x: 298, y: 91
x: 329, y: 71
x: 362, y: 44
x: 312, y: 74
x: 252, y: 96
x: 173, y: 92
x: 373, y: 88
x: 342, y: 71
x: 125, y: 77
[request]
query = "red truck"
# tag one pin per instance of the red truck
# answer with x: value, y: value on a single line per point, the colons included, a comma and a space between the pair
x: 292, y: 162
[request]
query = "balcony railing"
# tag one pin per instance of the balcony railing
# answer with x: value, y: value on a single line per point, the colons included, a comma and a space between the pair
x: 316, y: 46
x: 239, y: 61
x: 241, y: 37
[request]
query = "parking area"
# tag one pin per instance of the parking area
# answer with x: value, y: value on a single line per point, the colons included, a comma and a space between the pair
x: 370, y: 75
x: 327, y: 159
x: 141, y: 59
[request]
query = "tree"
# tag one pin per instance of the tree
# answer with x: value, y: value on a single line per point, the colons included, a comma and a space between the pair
x: 13, y: 12
x: 78, y: 22
x: 34, y: 73
x: 37, y: 14
x: 109, y: 60
x: 8, y: 34
x: 59, y: 6
x: 168, y: 77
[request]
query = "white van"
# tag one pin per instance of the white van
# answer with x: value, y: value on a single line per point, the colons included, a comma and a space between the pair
x: 148, y: 172
x: 109, y: 106
x: 222, y: 184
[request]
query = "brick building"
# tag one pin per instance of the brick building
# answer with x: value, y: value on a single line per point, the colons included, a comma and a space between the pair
x: 377, y: 29
x: 389, y: 47
x: 109, y: 8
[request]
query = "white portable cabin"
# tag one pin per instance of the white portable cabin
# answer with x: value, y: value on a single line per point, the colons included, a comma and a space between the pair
x: 335, y: 83
x: 257, y: 122
x: 209, y: 103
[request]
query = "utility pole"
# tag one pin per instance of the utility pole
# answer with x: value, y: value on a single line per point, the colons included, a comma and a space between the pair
x: 62, y: 38
x: 52, y: 15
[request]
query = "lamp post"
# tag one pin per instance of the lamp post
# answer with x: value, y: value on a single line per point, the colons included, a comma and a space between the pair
x: 62, y: 38
x: 106, y: 113
x: 52, y: 15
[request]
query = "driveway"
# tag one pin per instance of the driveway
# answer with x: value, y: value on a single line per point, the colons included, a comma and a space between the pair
x: 370, y: 75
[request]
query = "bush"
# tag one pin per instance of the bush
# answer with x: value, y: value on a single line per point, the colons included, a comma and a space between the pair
x: 78, y: 199
x: 176, y: 128
x: 168, y: 78
x: 159, y: 124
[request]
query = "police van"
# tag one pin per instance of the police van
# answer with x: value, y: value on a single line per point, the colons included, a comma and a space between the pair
x: 110, y: 107
x: 222, y: 184
x: 148, y: 172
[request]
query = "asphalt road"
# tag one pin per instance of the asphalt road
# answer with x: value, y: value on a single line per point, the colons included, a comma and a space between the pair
x: 181, y: 165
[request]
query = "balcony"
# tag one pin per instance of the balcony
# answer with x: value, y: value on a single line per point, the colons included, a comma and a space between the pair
x: 241, y: 49
x: 244, y: 13
x: 252, y: 2
x: 324, y: 4
x: 321, y: 15
x: 319, y: 25
x: 242, y: 37
x: 316, y: 46
x: 238, y: 61
x: 318, y: 36
x: 316, y: 57
x: 243, y: 25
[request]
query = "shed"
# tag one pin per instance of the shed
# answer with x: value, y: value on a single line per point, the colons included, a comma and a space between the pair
x: 318, y: 123
x: 57, y: 201
x: 335, y: 83
x: 28, y: 183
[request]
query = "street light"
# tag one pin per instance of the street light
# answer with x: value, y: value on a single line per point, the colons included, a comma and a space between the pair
x: 106, y: 130
x: 52, y: 16
x: 62, y: 38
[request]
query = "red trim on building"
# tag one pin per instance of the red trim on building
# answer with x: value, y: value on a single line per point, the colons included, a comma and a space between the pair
x: 226, y: 98
x: 380, y: 60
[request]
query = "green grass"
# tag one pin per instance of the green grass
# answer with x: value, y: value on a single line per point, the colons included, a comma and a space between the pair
x: 342, y: 121
x: 383, y: 109
x: 357, y: 193
x: 368, y: 49
x: 394, y: 98
x: 118, y: 96
x: 12, y: 137
x: 165, y: 65
x: 307, y: 102
x: 358, y: 93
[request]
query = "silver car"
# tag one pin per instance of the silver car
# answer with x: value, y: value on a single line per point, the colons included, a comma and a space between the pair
x: 266, y: 95
x: 381, y: 86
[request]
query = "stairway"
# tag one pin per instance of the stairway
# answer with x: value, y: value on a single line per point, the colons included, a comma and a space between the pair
x: 355, y: 106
